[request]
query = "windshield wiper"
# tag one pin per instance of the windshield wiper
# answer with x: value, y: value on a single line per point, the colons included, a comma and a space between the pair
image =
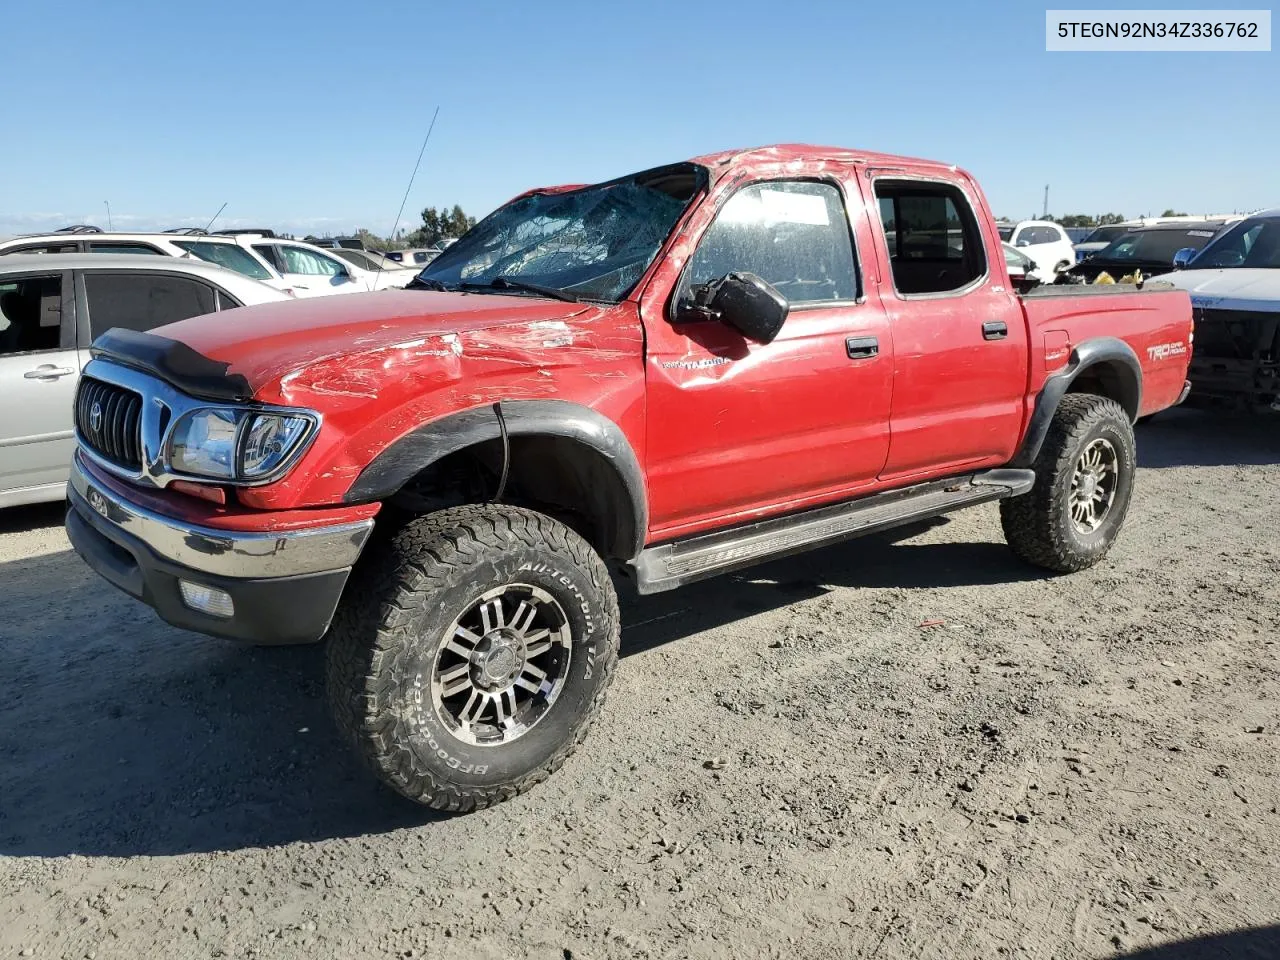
x: 508, y: 283
x: 426, y: 283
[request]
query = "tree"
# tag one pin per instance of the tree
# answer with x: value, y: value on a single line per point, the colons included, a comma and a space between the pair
x: 441, y: 224
x: 1108, y: 218
x: 1173, y: 213
x: 1077, y: 220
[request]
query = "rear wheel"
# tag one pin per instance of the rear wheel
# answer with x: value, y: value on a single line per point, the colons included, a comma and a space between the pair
x: 475, y: 650
x: 1084, y: 482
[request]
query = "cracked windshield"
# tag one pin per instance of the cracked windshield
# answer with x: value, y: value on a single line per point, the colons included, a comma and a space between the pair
x: 594, y: 243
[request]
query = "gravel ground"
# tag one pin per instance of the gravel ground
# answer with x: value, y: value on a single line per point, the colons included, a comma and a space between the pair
x: 1081, y: 766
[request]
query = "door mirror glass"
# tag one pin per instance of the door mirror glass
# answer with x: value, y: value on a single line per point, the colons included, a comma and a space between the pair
x: 750, y: 305
x: 1183, y: 257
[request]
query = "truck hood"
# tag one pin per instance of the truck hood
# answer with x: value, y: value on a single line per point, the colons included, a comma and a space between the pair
x: 1233, y: 288
x: 269, y: 344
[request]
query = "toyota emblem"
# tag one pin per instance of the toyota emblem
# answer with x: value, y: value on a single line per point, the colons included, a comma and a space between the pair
x: 97, y: 501
x: 95, y: 417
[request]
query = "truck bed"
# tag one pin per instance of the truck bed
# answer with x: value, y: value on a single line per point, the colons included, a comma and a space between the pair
x: 1153, y: 319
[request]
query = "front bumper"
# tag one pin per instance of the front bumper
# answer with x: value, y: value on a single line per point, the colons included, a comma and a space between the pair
x: 284, y: 586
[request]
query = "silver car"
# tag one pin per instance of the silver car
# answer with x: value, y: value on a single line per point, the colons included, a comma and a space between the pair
x: 51, y: 308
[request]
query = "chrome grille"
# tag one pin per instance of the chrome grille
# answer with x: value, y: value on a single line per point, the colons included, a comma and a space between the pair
x: 108, y: 419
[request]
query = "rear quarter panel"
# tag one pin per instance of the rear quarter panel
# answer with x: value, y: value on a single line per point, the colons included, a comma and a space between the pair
x: 1156, y: 323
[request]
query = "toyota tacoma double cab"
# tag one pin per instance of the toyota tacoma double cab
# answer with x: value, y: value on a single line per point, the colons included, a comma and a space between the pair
x: 660, y: 378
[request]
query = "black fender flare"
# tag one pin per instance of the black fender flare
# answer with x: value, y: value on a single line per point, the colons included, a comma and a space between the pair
x: 415, y: 451
x: 1109, y: 355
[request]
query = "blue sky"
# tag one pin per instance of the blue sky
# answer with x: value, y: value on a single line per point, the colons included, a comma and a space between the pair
x: 309, y: 116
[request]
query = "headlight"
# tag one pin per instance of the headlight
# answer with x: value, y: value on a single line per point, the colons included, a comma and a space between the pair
x: 204, y: 444
x: 236, y: 445
x: 268, y: 442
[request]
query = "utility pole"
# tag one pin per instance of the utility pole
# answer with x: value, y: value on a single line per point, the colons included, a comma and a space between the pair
x: 109, y: 226
x: 1045, y: 213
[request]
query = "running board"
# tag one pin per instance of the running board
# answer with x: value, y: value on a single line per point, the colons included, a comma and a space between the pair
x: 674, y: 564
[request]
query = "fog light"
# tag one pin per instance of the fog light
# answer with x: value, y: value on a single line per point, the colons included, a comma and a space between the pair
x: 210, y: 600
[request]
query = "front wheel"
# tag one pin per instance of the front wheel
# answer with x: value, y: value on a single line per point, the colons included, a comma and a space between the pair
x: 471, y: 653
x: 1084, y: 481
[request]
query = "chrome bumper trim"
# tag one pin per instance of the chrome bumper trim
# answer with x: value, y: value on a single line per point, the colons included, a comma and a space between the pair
x: 222, y: 552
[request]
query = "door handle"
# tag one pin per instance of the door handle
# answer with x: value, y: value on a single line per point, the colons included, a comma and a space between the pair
x: 47, y: 371
x: 861, y: 348
x: 995, y: 330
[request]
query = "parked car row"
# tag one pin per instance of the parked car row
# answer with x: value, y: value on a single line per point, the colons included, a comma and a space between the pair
x: 293, y: 267
x: 1150, y: 250
x: 1103, y: 236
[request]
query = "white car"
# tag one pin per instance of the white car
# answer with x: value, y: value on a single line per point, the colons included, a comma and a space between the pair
x: 310, y: 271
x: 1044, y: 242
x: 51, y: 309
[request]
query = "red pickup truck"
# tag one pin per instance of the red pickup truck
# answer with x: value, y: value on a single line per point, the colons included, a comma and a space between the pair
x: 666, y: 376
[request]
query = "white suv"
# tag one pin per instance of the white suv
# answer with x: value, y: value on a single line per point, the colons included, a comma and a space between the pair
x: 1044, y: 242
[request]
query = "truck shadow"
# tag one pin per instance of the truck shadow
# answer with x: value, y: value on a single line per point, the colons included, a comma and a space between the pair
x: 1201, y: 438
x: 881, y: 560
x: 122, y: 736
x: 1256, y: 943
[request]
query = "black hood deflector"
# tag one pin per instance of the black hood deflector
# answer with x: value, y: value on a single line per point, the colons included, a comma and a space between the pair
x: 173, y: 362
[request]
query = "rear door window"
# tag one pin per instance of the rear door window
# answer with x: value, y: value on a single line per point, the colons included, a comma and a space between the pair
x: 60, y: 247
x: 121, y: 246
x: 229, y: 255
x: 142, y: 301
x: 300, y: 260
x: 269, y: 253
x: 935, y: 246
x: 31, y: 314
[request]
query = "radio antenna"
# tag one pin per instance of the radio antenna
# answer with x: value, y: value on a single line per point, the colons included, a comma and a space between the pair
x: 382, y: 260
x: 215, y: 216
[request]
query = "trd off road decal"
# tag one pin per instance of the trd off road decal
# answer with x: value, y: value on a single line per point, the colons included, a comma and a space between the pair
x: 1165, y: 351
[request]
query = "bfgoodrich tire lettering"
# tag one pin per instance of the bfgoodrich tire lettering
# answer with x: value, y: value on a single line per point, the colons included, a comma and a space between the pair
x: 408, y: 620
x: 1088, y: 454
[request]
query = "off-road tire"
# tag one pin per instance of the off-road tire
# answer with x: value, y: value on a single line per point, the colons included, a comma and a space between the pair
x: 1038, y: 524
x: 396, y: 616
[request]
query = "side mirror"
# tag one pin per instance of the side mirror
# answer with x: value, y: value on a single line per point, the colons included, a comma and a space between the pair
x: 747, y: 303
x: 1023, y: 243
x: 1183, y: 257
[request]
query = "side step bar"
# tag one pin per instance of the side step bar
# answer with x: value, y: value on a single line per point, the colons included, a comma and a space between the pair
x: 670, y: 565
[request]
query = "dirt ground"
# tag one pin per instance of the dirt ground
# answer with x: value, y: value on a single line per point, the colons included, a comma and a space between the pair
x: 1082, y: 766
